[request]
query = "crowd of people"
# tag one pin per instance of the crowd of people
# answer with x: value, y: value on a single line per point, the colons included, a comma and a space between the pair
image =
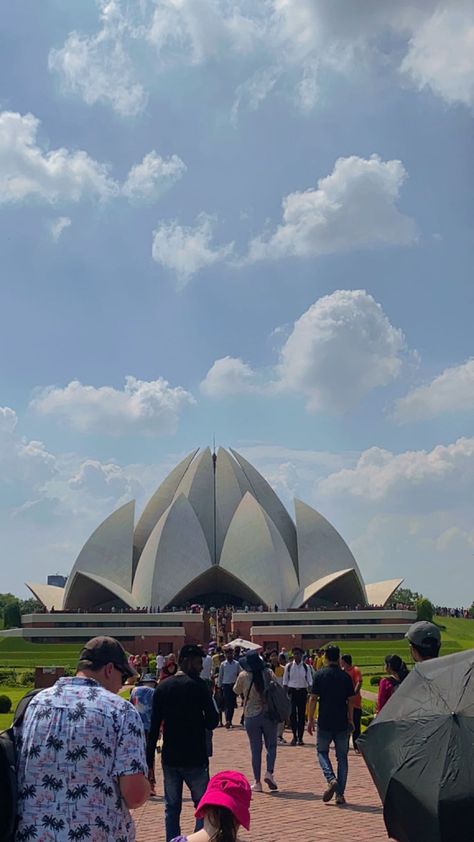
x: 86, y: 756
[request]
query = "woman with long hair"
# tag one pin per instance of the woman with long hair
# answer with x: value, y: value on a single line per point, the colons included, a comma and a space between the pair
x: 260, y: 728
x: 396, y: 672
x: 224, y: 808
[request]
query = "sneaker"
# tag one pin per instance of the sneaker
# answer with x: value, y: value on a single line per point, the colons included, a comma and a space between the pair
x: 282, y: 741
x: 300, y: 743
x: 257, y: 787
x: 329, y: 791
x: 227, y: 725
x: 340, y: 800
x: 293, y: 742
x: 270, y: 781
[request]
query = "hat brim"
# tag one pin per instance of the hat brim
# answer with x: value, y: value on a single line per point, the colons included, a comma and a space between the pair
x: 241, y: 814
x: 254, y: 666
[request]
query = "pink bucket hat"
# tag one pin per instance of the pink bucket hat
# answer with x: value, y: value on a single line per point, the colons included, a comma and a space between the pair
x: 231, y: 790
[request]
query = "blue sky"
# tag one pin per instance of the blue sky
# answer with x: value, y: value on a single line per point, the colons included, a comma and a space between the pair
x: 261, y: 215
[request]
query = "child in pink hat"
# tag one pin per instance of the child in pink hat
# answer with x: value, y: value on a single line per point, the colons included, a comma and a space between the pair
x: 225, y: 807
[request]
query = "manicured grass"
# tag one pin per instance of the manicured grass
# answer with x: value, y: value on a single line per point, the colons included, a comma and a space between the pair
x: 15, y: 694
x: 16, y: 653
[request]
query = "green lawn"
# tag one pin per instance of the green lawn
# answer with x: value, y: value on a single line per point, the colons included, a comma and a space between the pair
x: 19, y: 654
x: 15, y: 694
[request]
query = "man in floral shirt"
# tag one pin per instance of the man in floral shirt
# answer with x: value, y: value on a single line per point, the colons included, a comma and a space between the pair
x: 81, y: 754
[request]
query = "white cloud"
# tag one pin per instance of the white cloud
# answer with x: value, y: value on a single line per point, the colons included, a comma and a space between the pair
x: 416, y: 480
x: 24, y: 465
x: 150, y: 179
x: 229, y: 376
x: 196, y: 31
x: 431, y: 43
x: 340, y: 349
x: 352, y: 208
x: 152, y: 407
x: 28, y: 172
x: 441, y: 53
x: 8, y: 419
x: 58, y: 225
x: 451, y: 391
x: 98, y: 68
x: 106, y: 480
x: 187, y: 250
x: 254, y: 91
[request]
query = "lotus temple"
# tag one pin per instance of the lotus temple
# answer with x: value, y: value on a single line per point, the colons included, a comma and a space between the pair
x: 214, y: 534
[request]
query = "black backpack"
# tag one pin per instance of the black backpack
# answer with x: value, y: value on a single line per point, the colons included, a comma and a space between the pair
x: 8, y: 772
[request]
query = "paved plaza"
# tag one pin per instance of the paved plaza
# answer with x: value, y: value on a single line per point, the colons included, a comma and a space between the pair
x: 296, y: 811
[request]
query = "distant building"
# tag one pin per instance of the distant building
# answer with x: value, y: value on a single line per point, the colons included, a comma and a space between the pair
x: 57, y: 580
x: 214, y: 533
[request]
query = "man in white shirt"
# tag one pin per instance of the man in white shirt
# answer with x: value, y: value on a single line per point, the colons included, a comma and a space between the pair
x: 160, y: 662
x: 228, y: 672
x: 298, y: 680
x: 207, y: 666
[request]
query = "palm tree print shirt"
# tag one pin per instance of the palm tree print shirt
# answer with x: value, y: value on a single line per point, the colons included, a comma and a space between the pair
x: 76, y: 740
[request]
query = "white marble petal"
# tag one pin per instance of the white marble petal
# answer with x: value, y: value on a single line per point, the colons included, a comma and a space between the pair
x: 108, y: 551
x: 49, y: 595
x: 321, y: 550
x: 89, y: 590
x: 231, y: 485
x: 255, y: 553
x: 264, y: 493
x: 344, y: 582
x: 157, y: 504
x: 198, y: 486
x: 175, y: 554
x: 378, y: 593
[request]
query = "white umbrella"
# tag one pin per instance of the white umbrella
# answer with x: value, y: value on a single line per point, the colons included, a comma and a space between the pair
x: 244, y: 644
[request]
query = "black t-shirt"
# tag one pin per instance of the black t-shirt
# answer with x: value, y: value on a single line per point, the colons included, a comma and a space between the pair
x: 186, y: 708
x: 334, y: 687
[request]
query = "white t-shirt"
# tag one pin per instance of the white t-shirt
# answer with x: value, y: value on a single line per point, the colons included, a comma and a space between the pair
x: 160, y: 662
x: 207, y: 665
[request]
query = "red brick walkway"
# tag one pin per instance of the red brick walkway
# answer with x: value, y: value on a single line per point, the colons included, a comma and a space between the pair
x: 296, y: 811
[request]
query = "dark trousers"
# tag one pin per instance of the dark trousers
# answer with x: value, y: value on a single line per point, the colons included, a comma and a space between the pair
x: 357, y: 712
x: 298, y: 711
x: 196, y: 779
x: 230, y: 702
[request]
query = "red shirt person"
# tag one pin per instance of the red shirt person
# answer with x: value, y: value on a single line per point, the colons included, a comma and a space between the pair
x: 355, y: 674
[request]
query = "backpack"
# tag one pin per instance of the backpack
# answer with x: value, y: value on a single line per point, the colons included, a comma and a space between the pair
x: 276, y: 697
x: 8, y: 772
x: 306, y: 668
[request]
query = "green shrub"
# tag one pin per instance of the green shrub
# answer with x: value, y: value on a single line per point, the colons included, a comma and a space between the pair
x: 366, y: 720
x: 152, y: 665
x: 424, y: 609
x: 26, y: 678
x: 5, y: 704
x: 375, y: 680
x: 368, y: 707
x: 8, y: 676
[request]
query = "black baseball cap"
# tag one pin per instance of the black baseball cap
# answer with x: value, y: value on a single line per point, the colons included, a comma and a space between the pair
x: 190, y: 650
x: 105, y: 650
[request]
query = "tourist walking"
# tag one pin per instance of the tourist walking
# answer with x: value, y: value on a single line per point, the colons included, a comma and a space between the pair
x: 170, y: 667
x: 278, y: 664
x: 228, y: 672
x: 260, y: 728
x: 184, y: 706
x: 356, y: 677
x: 141, y: 698
x: 335, y: 691
x: 397, y: 671
x: 297, y: 679
x: 81, y: 753
x: 224, y: 808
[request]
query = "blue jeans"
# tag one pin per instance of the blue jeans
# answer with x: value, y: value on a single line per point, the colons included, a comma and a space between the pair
x: 196, y: 779
x: 258, y: 727
x: 341, y: 743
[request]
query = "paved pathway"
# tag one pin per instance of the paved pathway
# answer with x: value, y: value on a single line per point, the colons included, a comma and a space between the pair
x: 296, y: 811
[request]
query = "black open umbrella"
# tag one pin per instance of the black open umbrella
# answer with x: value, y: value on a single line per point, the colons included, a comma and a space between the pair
x: 420, y: 753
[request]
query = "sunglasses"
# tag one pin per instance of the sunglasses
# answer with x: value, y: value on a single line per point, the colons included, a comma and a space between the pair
x: 125, y: 675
